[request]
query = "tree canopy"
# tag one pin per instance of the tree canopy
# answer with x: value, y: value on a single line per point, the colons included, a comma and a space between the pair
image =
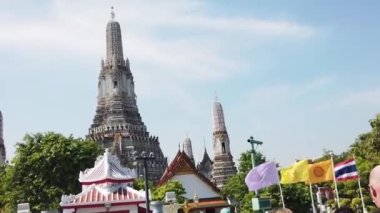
x: 365, y: 149
x: 235, y: 187
x: 159, y: 192
x: 45, y: 166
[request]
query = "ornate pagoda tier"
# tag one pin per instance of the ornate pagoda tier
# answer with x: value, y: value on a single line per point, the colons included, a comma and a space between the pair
x: 117, y: 124
x: 223, y: 167
x: 105, y: 188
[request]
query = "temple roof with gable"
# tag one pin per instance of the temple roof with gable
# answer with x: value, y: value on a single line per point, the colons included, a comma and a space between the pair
x: 107, y: 168
x: 183, y: 166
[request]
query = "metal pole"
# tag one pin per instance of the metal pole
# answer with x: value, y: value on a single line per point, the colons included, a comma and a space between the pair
x: 336, y: 187
x: 253, y: 152
x: 253, y: 157
x: 250, y: 140
x: 282, y: 196
x: 361, y: 196
x: 146, y: 186
x: 312, y: 198
x: 145, y: 158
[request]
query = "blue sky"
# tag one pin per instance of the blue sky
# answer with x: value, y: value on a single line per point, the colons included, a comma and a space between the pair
x: 301, y: 76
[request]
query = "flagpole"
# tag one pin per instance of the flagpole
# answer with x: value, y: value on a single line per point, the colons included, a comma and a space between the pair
x: 282, y: 196
x: 360, y: 187
x: 312, y: 198
x: 336, y: 188
x: 361, y: 195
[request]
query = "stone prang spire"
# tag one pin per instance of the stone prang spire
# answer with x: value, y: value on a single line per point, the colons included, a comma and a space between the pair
x: 117, y: 124
x: 187, y: 148
x: 2, y: 146
x: 223, y: 166
x: 114, y: 42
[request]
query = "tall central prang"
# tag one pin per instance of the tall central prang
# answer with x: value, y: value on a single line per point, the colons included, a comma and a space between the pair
x: 117, y: 124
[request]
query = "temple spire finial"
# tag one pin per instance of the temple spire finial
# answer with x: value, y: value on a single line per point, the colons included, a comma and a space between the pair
x: 112, y: 14
x: 114, y: 42
x: 204, y: 143
x: 216, y: 96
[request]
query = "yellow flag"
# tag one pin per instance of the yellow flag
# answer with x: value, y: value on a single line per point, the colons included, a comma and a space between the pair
x: 298, y: 172
x: 320, y: 172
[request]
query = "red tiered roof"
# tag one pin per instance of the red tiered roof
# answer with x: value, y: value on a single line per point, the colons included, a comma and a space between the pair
x: 96, y: 195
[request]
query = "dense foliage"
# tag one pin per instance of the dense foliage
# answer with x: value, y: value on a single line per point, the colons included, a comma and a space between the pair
x: 159, y: 192
x: 365, y: 149
x: 45, y: 166
x: 139, y: 184
x: 235, y: 187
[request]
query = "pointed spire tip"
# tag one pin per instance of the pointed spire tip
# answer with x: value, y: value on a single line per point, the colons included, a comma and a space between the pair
x: 112, y: 13
x: 216, y: 96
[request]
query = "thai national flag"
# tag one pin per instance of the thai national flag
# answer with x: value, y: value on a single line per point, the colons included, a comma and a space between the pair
x: 346, y: 170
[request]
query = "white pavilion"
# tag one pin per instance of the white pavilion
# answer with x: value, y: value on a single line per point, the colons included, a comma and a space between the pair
x: 107, y: 187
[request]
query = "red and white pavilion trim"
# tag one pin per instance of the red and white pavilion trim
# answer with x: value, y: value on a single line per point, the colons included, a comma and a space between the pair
x: 105, y: 188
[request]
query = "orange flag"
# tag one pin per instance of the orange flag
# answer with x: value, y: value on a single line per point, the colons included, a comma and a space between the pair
x: 320, y: 172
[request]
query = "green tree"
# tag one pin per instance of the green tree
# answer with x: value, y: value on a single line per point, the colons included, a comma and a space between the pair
x: 366, y: 150
x: 158, y: 193
x: 296, y: 197
x: 2, y: 191
x: 45, y: 166
x: 235, y: 187
x: 139, y: 184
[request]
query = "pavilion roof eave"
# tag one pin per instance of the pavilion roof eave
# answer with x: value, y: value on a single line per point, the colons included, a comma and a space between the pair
x: 91, y: 204
x: 107, y: 180
x: 71, y: 201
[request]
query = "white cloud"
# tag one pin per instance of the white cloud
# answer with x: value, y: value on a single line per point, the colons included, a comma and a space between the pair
x: 364, y: 98
x: 77, y: 30
x: 314, y: 84
x: 250, y: 26
x: 272, y: 95
x: 195, y: 47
